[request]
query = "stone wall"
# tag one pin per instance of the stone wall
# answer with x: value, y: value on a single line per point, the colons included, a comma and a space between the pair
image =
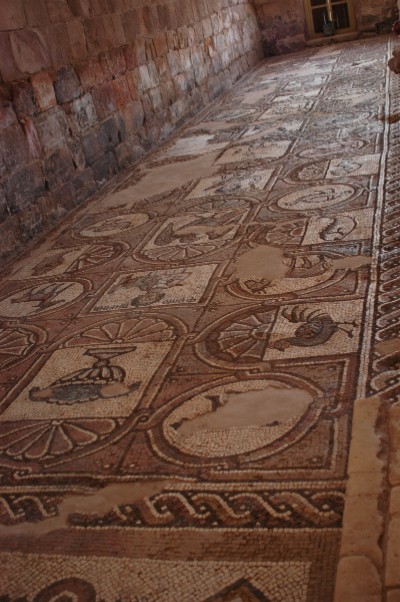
x: 88, y: 86
x: 283, y: 24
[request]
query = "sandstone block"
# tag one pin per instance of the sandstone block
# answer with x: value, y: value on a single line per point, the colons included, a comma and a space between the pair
x: 80, y: 8
x: 104, y: 168
x: 394, y: 447
x: 10, y: 237
x: 59, y: 10
x: 357, y: 579
x: 36, y: 13
x: 58, y: 168
x: 140, y: 50
x: 162, y: 69
x: 43, y: 90
x: 29, y: 50
x: 58, y: 43
x: 114, y: 30
x: 24, y: 186
x: 52, y: 128
x: 104, y: 100
x: 66, y: 85
x: 113, y: 63
x: 4, y: 213
x: 132, y: 77
x: 96, y: 37
x: 8, y: 68
x: 95, y: 144
x: 160, y: 44
x: 23, y: 99
x: 130, y: 57
x: 170, y: 15
x: 150, y: 49
x: 7, y: 115
x: 30, y: 223
x: 32, y: 138
x: 156, y: 99
x: 121, y: 92
x: 168, y: 93
x: 77, y: 39
x: 12, y: 15
x: 147, y: 108
x: 84, y: 112
x: 145, y: 81
x: 111, y: 130
x: 150, y: 19
x: 174, y: 62
x: 137, y: 114
x: 90, y: 74
x: 393, y: 554
x: 132, y: 25
x: 15, y: 148
x: 84, y: 186
x: 162, y: 16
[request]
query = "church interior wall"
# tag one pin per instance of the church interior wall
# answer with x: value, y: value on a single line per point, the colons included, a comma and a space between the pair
x: 88, y: 86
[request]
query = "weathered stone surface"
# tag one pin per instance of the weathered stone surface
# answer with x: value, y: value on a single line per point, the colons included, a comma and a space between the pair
x: 30, y: 50
x: 104, y: 168
x: 52, y: 128
x: 80, y: 8
x: 12, y: 15
x: 84, y: 111
x: 121, y: 92
x: 95, y: 144
x: 394, y: 445
x: 58, y: 168
x: 24, y: 186
x: 90, y: 73
x: 58, y: 43
x: 77, y: 40
x: 392, y: 576
x: 8, y: 68
x: 66, y: 85
x: 357, y: 579
x: 113, y: 63
x: 15, y: 147
x: 30, y: 223
x: 43, y: 89
x: 59, y: 10
x: 36, y: 13
x: 104, y: 100
x: 4, y: 213
x: 32, y: 138
x: 84, y: 186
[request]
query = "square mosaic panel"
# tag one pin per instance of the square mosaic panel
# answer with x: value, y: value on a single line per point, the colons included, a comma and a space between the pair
x: 156, y: 288
x: 249, y: 152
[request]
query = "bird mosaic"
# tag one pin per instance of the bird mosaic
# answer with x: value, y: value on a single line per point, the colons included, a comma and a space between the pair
x: 316, y: 328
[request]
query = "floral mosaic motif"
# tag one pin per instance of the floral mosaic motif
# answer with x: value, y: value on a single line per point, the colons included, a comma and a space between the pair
x: 45, y: 440
x: 15, y: 344
x: 244, y: 339
x: 138, y: 330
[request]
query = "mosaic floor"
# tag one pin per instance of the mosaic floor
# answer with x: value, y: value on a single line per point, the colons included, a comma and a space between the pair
x: 179, y: 360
